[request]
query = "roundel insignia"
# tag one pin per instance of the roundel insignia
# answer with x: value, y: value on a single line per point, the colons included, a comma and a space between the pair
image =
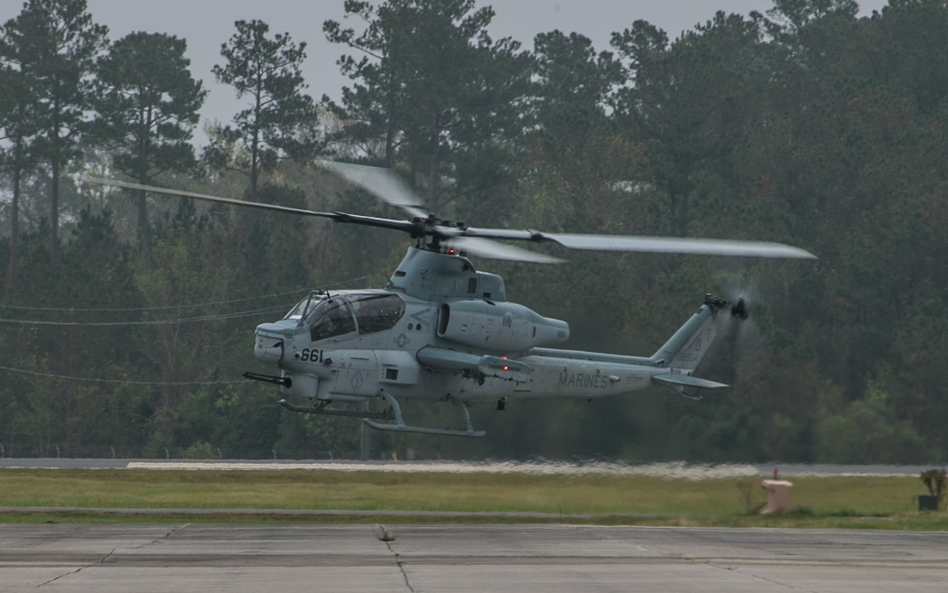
x: 402, y: 340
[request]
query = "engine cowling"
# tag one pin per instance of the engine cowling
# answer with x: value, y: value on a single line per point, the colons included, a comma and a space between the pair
x: 503, y: 327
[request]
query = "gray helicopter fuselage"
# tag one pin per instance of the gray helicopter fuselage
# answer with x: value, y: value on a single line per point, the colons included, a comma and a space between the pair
x: 440, y: 328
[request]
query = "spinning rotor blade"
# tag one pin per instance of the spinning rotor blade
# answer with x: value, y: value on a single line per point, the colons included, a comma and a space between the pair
x: 206, y: 198
x: 479, y: 241
x: 382, y: 183
x: 387, y: 223
x: 495, y: 250
x: 648, y: 244
x: 389, y: 187
x: 678, y: 245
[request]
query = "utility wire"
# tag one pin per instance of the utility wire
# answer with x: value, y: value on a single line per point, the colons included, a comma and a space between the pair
x: 121, y: 381
x: 137, y: 309
x: 235, y: 315
x: 168, y: 307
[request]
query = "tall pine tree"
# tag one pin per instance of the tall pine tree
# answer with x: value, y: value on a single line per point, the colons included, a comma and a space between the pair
x: 280, y: 120
x: 55, y: 43
x: 147, y: 106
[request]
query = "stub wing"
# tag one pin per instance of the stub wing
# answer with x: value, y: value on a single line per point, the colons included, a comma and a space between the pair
x: 490, y: 366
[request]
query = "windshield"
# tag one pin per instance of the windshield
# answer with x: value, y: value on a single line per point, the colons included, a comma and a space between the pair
x: 378, y: 312
x: 306, y: 305
x: 330, y: 318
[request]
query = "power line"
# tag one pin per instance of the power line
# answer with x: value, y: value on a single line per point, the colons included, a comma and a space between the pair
x: 142, y: 309
x: 222, y: 316
x: 170, y: 307
x: 120, y: 381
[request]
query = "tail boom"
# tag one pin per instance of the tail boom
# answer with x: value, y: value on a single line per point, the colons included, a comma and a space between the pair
x: 670, y: 367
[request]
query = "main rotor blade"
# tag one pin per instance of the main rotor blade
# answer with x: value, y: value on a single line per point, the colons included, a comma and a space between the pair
x: 383, y: 183
x: 387, y: 223
x: 649, y: 244
x: 187, y: 194
x: 679, y: 245
x: 494, y: 250
x: 386, y: 185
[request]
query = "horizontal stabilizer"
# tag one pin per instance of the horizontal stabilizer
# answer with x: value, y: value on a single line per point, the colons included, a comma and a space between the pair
x: 679, y: 380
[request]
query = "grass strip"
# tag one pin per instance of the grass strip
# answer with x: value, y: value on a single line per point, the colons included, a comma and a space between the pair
x: 856, y: 502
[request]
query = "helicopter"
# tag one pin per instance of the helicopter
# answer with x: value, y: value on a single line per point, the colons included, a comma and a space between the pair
x: 442, y: 330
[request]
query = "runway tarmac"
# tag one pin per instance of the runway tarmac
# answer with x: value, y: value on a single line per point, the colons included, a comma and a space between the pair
x: 495, y: 558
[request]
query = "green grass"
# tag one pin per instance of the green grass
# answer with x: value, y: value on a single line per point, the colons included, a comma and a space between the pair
x: 865, y: 502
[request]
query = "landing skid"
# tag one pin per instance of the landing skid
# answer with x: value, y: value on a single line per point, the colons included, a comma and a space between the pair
x: 399, y: 425
x: 322, y: 409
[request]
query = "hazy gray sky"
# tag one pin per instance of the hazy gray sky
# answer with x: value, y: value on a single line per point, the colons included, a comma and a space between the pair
x: 206, y: 24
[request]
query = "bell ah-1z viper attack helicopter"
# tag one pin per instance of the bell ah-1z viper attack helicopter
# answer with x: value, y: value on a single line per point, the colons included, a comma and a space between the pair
x: 443, y: 331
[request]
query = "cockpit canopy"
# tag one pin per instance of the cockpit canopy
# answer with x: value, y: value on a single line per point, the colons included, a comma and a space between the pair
x: 330, y: 316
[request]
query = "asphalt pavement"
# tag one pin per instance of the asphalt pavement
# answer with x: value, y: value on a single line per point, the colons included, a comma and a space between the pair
x: 496, y: 558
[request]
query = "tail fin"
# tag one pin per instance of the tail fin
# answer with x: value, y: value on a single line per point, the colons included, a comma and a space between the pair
x: 685, y: 349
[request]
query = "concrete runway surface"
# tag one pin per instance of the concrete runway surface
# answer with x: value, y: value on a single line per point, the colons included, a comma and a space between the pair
x: 495, y: 558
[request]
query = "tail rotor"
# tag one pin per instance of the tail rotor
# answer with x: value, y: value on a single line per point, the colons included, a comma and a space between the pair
x: 739, y: 309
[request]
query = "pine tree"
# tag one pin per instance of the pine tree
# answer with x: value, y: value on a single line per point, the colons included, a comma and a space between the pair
x: 54, y: 44
x: 147, y: 106
x: 280, y: 121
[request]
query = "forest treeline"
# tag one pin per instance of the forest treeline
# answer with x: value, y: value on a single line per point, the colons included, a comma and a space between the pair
x: 126, y: 321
